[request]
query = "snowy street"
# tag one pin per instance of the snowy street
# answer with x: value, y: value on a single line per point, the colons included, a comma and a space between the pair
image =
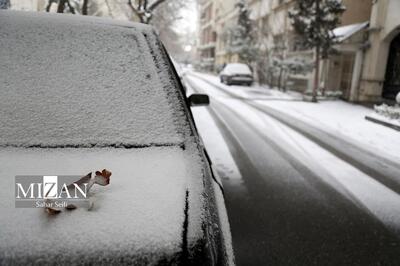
x: 301, y: 190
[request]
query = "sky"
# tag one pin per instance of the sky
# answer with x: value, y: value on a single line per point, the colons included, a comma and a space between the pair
x: 188, y: 23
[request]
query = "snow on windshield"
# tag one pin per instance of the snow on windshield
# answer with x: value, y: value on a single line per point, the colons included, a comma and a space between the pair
x: 83, y: 82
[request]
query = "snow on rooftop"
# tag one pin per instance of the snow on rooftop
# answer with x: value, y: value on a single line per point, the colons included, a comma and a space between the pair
x: 344, y: 32
x: 74, y: 81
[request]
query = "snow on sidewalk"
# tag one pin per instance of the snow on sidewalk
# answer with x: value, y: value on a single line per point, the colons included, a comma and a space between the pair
x: 346, y: 119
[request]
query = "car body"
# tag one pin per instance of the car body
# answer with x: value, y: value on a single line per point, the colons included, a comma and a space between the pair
x: 81, y: 94
x: 236, y: 73
x: 178, y: 68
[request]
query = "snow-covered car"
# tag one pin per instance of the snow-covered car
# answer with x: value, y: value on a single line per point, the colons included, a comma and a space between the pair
x: 236, y: 73
x: 80, y: 94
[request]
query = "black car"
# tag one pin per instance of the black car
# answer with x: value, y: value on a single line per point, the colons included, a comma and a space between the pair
x: 81, y: 94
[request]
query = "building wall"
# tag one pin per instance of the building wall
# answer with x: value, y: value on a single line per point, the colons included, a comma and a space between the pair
x: 384, y: 27
x: 207, y: 34
x: 357, y: 11
x: 226, y: 15
x: 28, y: 5
x: 369, y: 59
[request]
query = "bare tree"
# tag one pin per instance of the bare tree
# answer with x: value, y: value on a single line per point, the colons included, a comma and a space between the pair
x: 144, y: 9
x: 165, y: 19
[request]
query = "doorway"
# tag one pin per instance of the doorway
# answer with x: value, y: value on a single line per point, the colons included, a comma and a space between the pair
x: 391, y: 85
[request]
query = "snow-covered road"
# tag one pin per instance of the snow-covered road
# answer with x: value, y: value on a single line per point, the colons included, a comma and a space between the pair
x: 296, y: 194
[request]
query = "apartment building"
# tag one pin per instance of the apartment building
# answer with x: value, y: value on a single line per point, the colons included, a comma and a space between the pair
x: 207, y: 34
x: 366, y: 66
x: 380, y: 73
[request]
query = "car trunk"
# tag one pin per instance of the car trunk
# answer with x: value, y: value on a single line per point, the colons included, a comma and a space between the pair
x: 139, y: 218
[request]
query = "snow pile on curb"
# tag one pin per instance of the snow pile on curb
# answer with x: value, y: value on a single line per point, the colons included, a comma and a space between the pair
x: 391, y: 112
x: 347, y: 120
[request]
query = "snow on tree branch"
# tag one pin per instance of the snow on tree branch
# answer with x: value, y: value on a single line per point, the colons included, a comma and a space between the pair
x: 144, y: 10
x: 241, y: 37
x: 314, y: 21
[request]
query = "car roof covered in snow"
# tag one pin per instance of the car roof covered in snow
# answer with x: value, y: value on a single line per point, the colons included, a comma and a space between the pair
x: 75, y: 81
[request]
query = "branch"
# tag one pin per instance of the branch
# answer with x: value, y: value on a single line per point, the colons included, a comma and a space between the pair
x: 155, y: 4
x: 61, y: 6
x: 109, y: 9
x: 49, y: 5
x: 71, y: 8
x: 134, y: 10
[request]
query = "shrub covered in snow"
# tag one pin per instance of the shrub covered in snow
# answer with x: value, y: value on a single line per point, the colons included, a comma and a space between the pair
x: 328, y: 95
x: 334, y: 93
x: 392, y: 112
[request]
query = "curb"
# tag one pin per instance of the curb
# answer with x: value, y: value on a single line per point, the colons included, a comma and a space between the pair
x: 381, y: 122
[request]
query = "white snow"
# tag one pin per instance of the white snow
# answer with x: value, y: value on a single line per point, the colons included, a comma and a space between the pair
x: 75, y: 81
x: 253, y: 92
x: 341, y: 118
x: 346, y: 120
x: 343, y: 177
x: 216, y: 145
x: 138, y: 217
x: 344, y: 32
x: 236, y: 68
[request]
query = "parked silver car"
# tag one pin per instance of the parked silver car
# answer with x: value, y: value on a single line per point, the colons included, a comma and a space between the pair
x: 236, y: 73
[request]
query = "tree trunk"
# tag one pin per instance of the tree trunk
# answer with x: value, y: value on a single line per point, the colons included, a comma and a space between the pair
x: 284, y: 77
x: 316, y: 75
x: 61, y: 6
x: 280, y: 79
x: 85, y: 7
x: 49, y: 5
x: 71, y: 8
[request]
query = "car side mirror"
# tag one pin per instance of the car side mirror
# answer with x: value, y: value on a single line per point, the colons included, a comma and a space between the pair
x: 199, y: 99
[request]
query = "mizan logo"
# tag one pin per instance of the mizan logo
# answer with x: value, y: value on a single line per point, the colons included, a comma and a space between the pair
x: 48, y: 191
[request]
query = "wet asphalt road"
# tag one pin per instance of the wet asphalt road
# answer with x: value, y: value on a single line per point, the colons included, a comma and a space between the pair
x: 285, y: 212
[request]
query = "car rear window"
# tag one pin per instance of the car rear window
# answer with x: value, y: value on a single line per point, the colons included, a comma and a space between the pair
x: 77, y: 84
x: 238, y: 68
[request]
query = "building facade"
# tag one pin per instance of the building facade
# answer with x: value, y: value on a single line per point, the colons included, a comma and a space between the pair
x: 380, y: 77
x: 366, y: 66
x: 207, y: 34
